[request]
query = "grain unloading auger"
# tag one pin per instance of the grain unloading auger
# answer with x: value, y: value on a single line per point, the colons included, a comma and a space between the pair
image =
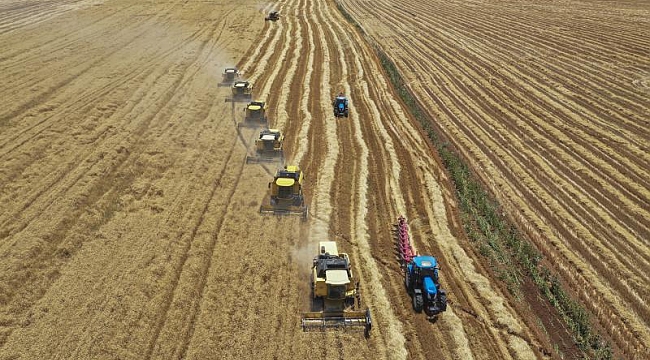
x: 420, y: 275
x: 336, y: 302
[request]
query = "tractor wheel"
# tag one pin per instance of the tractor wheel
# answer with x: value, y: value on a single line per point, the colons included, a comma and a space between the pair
x: 418, y: 302
x: 442, y: 300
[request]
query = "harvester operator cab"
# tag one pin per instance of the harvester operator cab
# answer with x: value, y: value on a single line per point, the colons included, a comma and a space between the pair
x: 229, y: 75
x: 268, y: 142
x: 337, y: 284
x: 332, y: 273
x: 340, y: 104
x: 424, y: 269
x: 290, y: 172
x: 241, y: 87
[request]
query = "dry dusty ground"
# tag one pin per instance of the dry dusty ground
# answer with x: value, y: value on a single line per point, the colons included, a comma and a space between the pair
x: 549, y: 102
x: 128, y: 219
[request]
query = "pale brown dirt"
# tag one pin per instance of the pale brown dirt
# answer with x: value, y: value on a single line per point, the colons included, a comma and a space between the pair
x: 549, y: 103
x: 128, y: 219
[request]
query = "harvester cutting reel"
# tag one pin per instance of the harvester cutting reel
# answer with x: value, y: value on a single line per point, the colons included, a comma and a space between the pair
x: 302, y: 211
x: 322, y: 321
x: 265, y: 158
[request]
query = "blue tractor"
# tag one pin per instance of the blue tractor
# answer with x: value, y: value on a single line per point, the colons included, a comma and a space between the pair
x: 340, y: 106
x: 421, y: 279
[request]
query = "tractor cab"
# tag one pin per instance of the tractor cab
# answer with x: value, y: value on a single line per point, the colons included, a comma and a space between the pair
x: 340, y: 105
x: 423, y: 285
x: 426, y: 270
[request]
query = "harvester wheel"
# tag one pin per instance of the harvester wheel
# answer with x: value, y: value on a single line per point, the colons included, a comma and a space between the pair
x: 418, y: 302
x: 366, y: 332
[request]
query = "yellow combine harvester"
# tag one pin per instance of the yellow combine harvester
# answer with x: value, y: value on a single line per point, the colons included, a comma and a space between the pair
x: 286, y: 194
x: 241, y: 91
x: 336, y: 300
x: 229, y: 76
x: 255, y: 115
x: 268, y: 147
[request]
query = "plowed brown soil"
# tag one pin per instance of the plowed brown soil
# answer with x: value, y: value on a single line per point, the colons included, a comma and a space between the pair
x: 549, y: 103
x: 129, y: 225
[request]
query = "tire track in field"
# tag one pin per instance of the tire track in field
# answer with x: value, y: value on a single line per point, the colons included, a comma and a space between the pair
x: 321, y: 206
x: 520, y: 346
x: 393, y: 340
x: 156, y: 348
x: 19, y: 52
x: 614, y: 171
x: 85, y: 68
x: 119, y: 165
x: 390, y: 330
x: 282, y: 113
x: 461, y: 342
x: 188, y: 327
x: 258, y: 62
x: 542, y: 123
x: 606, y: 245
x: 62, y: 175
x: 451, y: 27
x: 267, y: 80
x: 159, y: 348
x: 616, y: 196
x: 307, y: 117
x: 42, y: 98
x: 555, y: 181
x: 34, y: 14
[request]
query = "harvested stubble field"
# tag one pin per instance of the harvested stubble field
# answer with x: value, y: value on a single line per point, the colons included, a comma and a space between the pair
x: 129, y: 225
